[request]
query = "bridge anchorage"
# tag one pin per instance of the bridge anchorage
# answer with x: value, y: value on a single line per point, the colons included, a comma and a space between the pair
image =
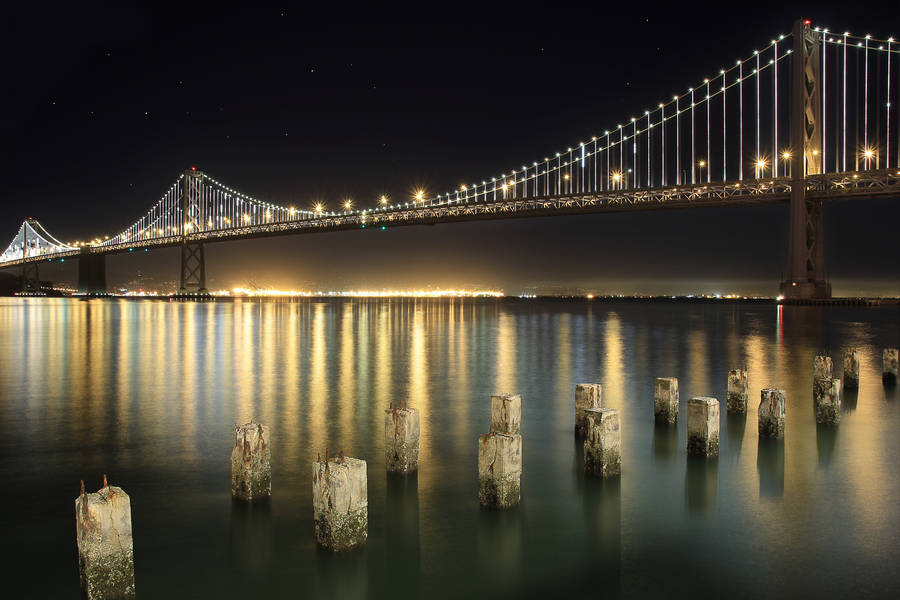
x: 732, y: 125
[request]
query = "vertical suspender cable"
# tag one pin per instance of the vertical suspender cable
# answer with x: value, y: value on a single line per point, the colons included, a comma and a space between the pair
x: 824, y: 90
x: 708, y: 136
x: 662, y: 112
x: 678, y: 180
x: 649, y: 144
x: 758, y: 77
x: 844, y: 108
x: 693, y: 154
x: 866, y: 103
x: 741, y: 120
x: 724, y: 112
x: 887, y: 119
x: 775, y: 112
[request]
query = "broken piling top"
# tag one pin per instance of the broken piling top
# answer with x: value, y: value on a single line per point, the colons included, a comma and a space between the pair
x: 822, y: 368
x: 340, y: 502
x: 665, y: 399
x: 251, y: 470
x: 602, y: 421
x: 587, y: 395
x: 401, y: 439
x: 738, y: 391
x: 851, y: 368
x: 889, y: 359
x: 506, y: 413
x: 404, y: 423
x: 703, y: 426
x: 827, y: 398
x: 603, y: 443
x: 499, y: 469
x: 339, y: 484
x: 105, y: 545
x: 252, y: 433
x: 771, y: 413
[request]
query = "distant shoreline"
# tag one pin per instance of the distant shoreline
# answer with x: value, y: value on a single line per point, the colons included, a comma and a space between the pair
x: 856, y: 301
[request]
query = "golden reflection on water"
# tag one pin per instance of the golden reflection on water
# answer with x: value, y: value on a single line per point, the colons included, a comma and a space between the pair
x: 318, y: 392
x: 459, y: 363
x: 562, y: 368
x: 290, y: 406
x: 349, y: 406
x: 614, y: 394
x: 419, y: 395
x: 368, y: 418
x: 124, y: 358
x: 191, y: 390
x: 97, y: 350
x: 698, y: 382
x: 270, y: 361
x: 245, y: 373
x: 505, y: 366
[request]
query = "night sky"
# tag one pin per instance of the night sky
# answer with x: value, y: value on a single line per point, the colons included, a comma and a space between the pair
x: 102, y: 109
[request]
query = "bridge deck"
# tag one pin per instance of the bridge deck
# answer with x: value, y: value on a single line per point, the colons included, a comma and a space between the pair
x: 828, y: 187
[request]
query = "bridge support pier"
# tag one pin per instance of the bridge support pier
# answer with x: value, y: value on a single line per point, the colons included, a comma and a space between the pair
x: 193, y: 269
x: 31, y: 281
x: 806, y: 250
x: 91, y: 273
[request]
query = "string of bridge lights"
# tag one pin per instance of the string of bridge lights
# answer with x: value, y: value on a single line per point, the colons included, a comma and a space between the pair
x: 761, y: 162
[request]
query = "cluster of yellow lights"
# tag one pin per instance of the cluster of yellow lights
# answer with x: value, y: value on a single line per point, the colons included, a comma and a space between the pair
x: 246, y: 292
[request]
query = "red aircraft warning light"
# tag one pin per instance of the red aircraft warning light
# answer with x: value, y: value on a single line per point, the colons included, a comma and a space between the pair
x: 193, y: 168
x: 807, y: 22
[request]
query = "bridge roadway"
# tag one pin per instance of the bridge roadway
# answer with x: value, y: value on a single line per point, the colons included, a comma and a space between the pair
x: 852, y: 185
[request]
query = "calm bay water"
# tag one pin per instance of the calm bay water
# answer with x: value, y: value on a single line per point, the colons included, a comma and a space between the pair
x: 149, y: 392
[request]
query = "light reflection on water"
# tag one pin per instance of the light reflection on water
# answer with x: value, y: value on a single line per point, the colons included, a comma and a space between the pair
x: 149, y: 392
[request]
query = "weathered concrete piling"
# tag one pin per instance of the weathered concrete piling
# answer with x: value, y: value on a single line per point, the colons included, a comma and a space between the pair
x: 105, y: 546
x: 251, y: 470
x: 822, y: 369
x: 602, y: 446
x: 401, y: 439
x: 500, y: 454
x: 665, y: 400
x: 587, y: 396
x: 851, y: 369
x: 771, y: 413
x: 340, y: 502
x: 889, y: 364
x: 506, y: 413
x: 499, y: 469
x: 738, y: 391
x: 703, y: 426
x: 828, y: 401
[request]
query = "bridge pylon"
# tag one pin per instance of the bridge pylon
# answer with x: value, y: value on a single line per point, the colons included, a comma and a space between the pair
x: 193, y: 258
x: 31, y: 280
x: 91, y: 273
x: 806, y: 248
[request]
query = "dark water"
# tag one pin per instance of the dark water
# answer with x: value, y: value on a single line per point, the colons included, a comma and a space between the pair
x: 149, y: 391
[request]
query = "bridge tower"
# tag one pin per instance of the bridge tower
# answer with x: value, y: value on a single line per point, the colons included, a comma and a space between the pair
x: 193, y: 262
x: 31, y: 281
x: 806, y: 249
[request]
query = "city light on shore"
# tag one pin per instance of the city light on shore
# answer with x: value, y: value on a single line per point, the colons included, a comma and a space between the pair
x: 265, y: 293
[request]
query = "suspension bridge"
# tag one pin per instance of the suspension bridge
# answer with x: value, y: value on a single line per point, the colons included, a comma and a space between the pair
x: 806, y: 119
